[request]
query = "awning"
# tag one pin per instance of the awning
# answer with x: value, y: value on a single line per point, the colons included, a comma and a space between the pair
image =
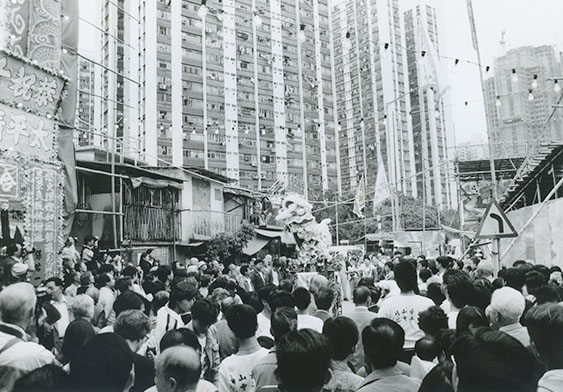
x: 152, y: 183
x: 285, y: 236
x: 254, y: 246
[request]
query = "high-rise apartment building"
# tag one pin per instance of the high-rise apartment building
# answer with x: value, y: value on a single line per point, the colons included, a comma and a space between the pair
x: 426, y: 88
x: 516, y: 116
x: 242, y: 88
x: 372, y: 94
x: 88, y: 105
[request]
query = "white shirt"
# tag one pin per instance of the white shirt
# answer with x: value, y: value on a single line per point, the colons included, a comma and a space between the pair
x: 404, y: 310
x: 264, y: 325
x: 452, y: 319
x: 166, y: 319
x: 63, y: 322
x: 235, y: 372
x: 106, y: 299
x: 23, y: 356
x: 311, y: 322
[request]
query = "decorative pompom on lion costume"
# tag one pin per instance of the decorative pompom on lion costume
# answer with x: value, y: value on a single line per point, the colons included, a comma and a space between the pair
x: 313, y: 238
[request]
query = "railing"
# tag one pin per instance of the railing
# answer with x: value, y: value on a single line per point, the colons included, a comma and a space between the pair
x: 207, y: 224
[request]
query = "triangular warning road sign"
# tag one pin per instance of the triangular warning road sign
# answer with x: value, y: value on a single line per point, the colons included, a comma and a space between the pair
x: 495, y: 223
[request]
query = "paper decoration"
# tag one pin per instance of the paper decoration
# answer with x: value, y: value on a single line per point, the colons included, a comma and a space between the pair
x: 26, y: 133
x: 29, y: 87
x: 9, y: 181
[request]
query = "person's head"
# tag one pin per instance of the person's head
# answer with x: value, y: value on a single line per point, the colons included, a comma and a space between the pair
x: 547, y: 294
x: 242, y: 321
x: 47, y: 378
x: 342, y: 332
x: 129, y: 300
x: 470, y: 317
x: 177, y: 369
x: 489, y: 360
x: 425, y: 274
x: 133, y: 326
x: 545, y: 326
x: 507, y: 306
x: 458, y: 287
x: 106, y: 280
x: 324, y: 297
x: 259, y: 265
x: 89, y: 240
x: 244, y: 270
x: 123, y: 284
x: 283, y: 320
x: 204, y: 315
x: 426, y: 349
x: 14, y: 250
x: 55, y: 288
x: 535, y: 279
x: 405, y: 275
x: 388, y: 267
x: 180, y: 337
x: 439, y: 379
x: 93, y: 293
x: 485, y: 269
x: 434, y: 292
x: 362, y: 296
x: 182, y: 297
x: 279, y: 299
x: 432, y: 320
x: 514, y: 277
x: 481, y: 293
x: 226, y: 304
x: 164, y: 273
x: 317, y: 282
x: 303, y: 361
x: 86, y: 278
x: 103, y: 363
x: 301, y: 298
x: 82, y: 307
x: 383, y: 341
x: 17, y: 304
x: 443, y: 262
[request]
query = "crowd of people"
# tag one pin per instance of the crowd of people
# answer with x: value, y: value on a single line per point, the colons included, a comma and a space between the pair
x: 415, y: 325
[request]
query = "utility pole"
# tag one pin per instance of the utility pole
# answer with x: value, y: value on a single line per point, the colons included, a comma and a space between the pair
x: 496, y: 254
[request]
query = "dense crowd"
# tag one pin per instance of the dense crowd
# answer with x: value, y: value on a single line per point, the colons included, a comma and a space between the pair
x: 415, y: 325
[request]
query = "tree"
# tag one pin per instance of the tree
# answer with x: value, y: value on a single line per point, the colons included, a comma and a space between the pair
x: 227, y: 247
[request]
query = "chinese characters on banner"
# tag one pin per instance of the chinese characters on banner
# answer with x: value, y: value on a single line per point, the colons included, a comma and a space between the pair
x: 44, y: 215
x: 28, y: 86
x: 26, y: 133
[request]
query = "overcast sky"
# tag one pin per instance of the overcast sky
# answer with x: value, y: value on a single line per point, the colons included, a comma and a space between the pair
x: 527, y: 22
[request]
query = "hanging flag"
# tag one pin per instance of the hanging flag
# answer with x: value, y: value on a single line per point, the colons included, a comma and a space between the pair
x: 360, y: 200
x: 382, y: 191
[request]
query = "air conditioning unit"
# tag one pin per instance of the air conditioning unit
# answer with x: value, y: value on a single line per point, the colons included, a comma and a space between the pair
x: 162, y: 86
x: 254, y: 164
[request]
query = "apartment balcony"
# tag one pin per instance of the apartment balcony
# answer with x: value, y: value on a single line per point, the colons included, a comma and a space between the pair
x: 205, y: 224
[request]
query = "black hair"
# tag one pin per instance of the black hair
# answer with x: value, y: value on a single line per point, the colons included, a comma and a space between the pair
x: 47, y: 378
x: 179, y: 337
x: 182, y: 291
x: 545, y: 326
x: 88, y: 238
x: 57, y: 281
x: 546, y: 294
x: 535, y: 279
x: 459, y: 287
x: 243, y: 269
x: 128, y: 301
x: 542, y: 269
x: 123, y: 284
x: 303, y: 358
x: 514, y: 277
x: 434, y: 292
x: 103, y: 363
x: 426, y: 349
x: 279, y: 299
x: 425, y: 274
x: 383, y: 341
x: 205, y: 312
x: 432, y: 320
x: 253, y: 300
x: 301, y: 298
x: 162, y: 272
x: 106, y: 269
x: 491, y: 360
x: 481, y: 294
x: 283, y: 320
x: 265, y: 292
x: 324, y: 297
x: 405, y: 275
x: 130, y: 271
x: 361, y: 295
x: 439, y: 379
x: 343, y: 335
x: 286, y: 285
x: 470, y: 317
x: 204, y: 280
x: 242, y: 321
x: 444, y: 261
